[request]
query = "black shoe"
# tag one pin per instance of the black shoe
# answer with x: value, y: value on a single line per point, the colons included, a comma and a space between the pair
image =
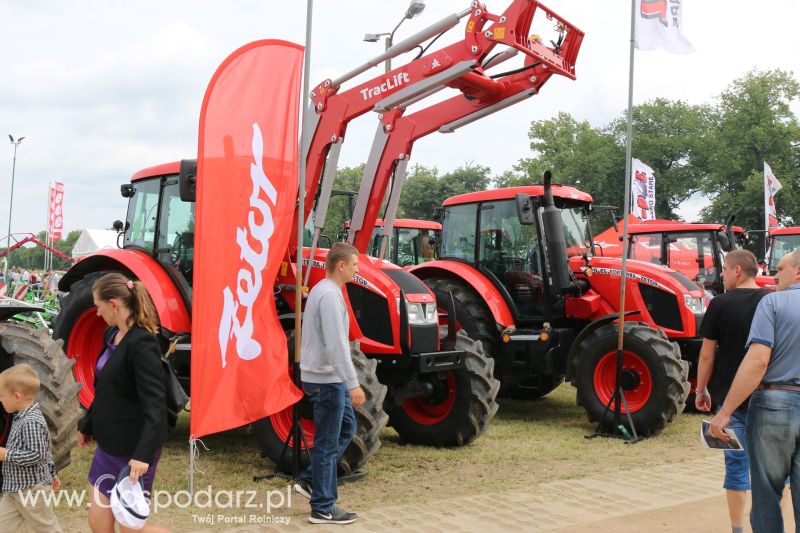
x: 337, y: 516
x: 303, y: 488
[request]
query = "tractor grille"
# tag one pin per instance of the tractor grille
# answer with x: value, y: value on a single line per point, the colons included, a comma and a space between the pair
x: 372, y: 313
x: 663, y: 307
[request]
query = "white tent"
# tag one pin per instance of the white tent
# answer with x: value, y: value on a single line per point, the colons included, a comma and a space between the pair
x: 91, y: 240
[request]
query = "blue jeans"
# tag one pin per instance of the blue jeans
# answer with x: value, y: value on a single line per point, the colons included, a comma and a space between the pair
x: 773, y: 433
x: 737, y: 470
x: 335, y: 424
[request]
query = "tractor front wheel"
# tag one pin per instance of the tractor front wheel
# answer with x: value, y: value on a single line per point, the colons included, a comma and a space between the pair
x: 272, y: 432
x: 58, y: 393
x: 460, y: 407
x: 654, y: 378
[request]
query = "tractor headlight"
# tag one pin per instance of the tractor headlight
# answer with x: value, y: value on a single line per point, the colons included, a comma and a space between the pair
x: 420, y: 314
x: 696, y: 305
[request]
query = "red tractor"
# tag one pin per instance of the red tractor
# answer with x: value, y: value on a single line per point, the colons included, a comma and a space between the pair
x: 519, y: 265
x: 781, y: 241
x: 694, y: 250
x: 437, y: 389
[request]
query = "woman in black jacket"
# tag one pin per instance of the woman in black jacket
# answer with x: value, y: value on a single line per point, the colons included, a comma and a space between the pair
x: 128, y: 417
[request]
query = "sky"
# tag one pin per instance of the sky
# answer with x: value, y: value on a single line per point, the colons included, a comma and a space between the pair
x: 101, y: 89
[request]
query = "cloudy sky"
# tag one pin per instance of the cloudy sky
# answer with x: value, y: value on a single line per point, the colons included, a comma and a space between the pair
x: 103, y: 88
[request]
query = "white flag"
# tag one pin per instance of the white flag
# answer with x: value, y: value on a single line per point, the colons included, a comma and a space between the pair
x: 771, y: 186
x: 659, y: 26
x: 643, y: 191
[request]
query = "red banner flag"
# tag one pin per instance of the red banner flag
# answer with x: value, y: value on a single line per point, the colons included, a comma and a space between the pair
x: 55, y: 211
x: 246, y: 194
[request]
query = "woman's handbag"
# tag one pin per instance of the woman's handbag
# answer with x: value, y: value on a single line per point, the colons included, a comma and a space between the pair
x: 176, y: 397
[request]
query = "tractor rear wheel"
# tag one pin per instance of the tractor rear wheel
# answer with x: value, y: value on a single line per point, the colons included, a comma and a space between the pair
x: 271, y: 432
x: 654, y: 378
x: 461, y: 406
x: 78, y: 325
x: 474, y: 318
x: 58, y: 394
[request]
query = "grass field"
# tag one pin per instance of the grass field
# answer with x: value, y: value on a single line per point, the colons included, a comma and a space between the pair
x: 527, y: 443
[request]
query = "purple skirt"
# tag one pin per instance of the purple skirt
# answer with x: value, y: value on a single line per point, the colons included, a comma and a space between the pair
x: 105, y: 467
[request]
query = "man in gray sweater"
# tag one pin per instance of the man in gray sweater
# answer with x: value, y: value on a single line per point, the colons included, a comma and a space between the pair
x: 330, y: 381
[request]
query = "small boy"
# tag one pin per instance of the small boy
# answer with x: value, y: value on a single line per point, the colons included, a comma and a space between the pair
x: 28, y: 458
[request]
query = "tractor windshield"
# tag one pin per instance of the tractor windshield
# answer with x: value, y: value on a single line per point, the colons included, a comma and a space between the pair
x: 782, y: 245
x: 458, y: 232
x: 692, y: 253
x: 576, y: 230
x: 140, y: 231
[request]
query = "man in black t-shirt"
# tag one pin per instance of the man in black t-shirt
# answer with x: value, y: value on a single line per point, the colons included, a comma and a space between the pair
x: 724, y: 329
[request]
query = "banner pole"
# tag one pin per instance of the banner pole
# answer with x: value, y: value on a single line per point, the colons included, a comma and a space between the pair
x: 626, y: 211
x: 301, y: 203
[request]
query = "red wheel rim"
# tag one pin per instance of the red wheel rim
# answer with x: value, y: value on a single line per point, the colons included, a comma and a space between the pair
x: 282, y: 424
x: 85, y: 342
x: 605, y: 374
x: 428, y: 412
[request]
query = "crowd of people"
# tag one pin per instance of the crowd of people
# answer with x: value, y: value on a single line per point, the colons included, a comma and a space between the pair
x: 45, y: 282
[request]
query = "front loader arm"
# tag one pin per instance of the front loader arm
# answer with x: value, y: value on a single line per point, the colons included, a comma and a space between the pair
x: 457, y: 65
x: 397, y: 133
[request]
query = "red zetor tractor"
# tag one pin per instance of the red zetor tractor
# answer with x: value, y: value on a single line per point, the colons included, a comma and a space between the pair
x: 694, y: 250
x: 518, y: 263
x: 781, y: 241
x: 443, y: 393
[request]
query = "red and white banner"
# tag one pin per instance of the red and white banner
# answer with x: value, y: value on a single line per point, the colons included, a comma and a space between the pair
x: 659, y: 26
x: 55, y: 210
x: 771, y: 186
x: 246, y: 194
x: 643, y: 191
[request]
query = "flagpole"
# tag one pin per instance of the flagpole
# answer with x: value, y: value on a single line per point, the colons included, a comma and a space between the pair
x: 626, y: 212
x: 301, y: 204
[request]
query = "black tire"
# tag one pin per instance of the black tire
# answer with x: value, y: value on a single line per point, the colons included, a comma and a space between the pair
x: 474, y: 406
x: 370, y: 417
x: 668, y: 377
x: 476, y: 319
x: 58, y: 395
x: 73, y: 304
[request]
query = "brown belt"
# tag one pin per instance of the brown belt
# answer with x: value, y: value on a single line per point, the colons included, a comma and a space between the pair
x: 779, y: 386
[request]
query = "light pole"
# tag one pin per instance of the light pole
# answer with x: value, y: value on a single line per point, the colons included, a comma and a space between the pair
x: 11, y: 203
x: 414, y: 8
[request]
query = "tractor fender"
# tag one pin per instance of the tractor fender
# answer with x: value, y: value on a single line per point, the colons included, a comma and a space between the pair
x: 572, y: 356
x: 475, y: 279
x: 171, y: 308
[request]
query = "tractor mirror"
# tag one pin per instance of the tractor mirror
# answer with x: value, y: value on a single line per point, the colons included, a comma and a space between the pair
x: 437, y: 213
x: 524, y: 209
x: 187, y: 180
x: 117, y: 226
x: 127, y: 190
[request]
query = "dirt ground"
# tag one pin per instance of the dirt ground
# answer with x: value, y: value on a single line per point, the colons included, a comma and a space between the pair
x: 533, y: 470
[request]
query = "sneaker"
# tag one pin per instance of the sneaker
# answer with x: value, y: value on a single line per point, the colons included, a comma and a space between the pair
x: 336, y: 516
x: 303, y: 488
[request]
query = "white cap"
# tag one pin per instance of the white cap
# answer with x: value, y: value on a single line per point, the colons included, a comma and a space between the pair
x: 128, y: 503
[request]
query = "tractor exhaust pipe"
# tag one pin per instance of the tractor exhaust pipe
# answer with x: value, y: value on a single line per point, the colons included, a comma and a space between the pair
x: 554, y: 234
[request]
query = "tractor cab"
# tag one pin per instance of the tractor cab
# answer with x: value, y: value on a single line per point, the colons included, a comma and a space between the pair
x: 412, y: 241
x: 161, y: 224
x: 694, y: 250
x: 782, y: 241
x: 484, y: 230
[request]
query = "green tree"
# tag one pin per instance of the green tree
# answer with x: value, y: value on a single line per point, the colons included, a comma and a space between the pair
x: 755, y: 123
x: 672, y: 138
x: 421, y: 193
x: 578, y: 155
